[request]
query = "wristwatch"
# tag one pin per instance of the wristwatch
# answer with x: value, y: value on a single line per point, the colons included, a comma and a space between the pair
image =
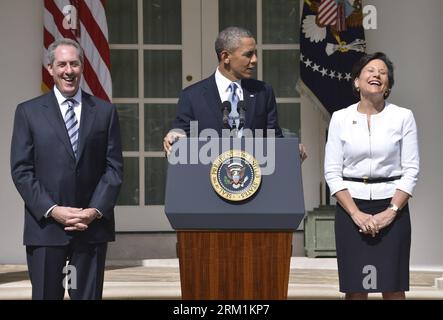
x: 393, y: 207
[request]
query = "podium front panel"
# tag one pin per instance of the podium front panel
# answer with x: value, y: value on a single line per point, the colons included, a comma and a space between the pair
x: 192, y: 204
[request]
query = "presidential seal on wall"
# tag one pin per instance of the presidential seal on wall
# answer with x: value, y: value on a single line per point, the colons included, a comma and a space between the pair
x: 235, y: 175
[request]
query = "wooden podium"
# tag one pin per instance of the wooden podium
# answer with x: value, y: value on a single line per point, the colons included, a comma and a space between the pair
x: 236, y: 251
x: 234, y: 264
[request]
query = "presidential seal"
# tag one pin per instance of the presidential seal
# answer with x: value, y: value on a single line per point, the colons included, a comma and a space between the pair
x: 235, y: 175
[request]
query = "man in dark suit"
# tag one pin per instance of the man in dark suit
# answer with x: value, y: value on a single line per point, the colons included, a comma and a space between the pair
x: 237, y: 57
x: 66, y: 163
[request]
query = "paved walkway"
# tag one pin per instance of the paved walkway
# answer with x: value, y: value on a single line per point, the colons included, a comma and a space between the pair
x: 160, y: 279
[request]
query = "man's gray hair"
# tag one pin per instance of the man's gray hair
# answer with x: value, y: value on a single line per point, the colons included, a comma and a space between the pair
x: 66, y: 42
x: 229, y: 39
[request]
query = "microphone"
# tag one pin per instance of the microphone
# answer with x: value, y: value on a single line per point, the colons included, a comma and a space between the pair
x: 226, y: 109
x: 241, y: 107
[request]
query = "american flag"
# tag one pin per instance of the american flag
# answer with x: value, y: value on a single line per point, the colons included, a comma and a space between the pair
x: 85, y: 22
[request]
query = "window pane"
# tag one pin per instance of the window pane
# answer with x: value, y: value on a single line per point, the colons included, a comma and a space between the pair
x: 281, y: 70
x: 129, y: 193
x: 163, y: 73
x: 122, y: 21
x: 281, y: 21
x: 124, y: 72
x: 238, y: 13
x: 155, y: 180
x: 128, y: 116
x: 158, y: 120
x: 289, y: 119
x: 162, y: 22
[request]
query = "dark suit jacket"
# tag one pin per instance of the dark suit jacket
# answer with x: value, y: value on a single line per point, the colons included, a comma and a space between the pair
x: 201, y: 102
x: 45, y: 171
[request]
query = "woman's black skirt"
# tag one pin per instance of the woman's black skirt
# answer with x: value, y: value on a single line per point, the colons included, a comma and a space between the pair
x: 367, y: 264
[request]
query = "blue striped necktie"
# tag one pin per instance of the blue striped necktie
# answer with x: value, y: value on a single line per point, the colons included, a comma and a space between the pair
x: 72, y: 124
x: 233, y: 98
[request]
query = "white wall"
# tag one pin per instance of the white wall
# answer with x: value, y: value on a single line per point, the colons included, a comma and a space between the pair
x: 411, y: 33
x: 21, y: 34
x: 313, y: 128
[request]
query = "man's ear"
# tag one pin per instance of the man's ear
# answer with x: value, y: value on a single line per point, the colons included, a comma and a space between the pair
x: 225, y: 56
x: 50, y: 69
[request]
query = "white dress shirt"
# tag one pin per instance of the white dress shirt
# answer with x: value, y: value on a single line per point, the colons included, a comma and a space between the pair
x: 388, y: 149
x: 223, y: 84
x: 224, y: 91
x: 64, y: 105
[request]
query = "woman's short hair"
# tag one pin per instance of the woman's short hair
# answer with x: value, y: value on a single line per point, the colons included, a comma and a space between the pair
x: 364, y: 60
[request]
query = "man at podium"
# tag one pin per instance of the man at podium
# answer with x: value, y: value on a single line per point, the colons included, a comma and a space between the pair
x: 229, y: 98
x: 238, y: 235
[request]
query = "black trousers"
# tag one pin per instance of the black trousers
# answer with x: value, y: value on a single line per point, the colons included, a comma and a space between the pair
x: 82, y: 277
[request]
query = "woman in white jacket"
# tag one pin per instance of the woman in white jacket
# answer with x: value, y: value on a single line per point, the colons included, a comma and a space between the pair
x: 371, y: 167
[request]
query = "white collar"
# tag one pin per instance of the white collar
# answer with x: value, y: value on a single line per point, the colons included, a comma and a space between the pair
x: 223, y: 83
x: 61, y: 98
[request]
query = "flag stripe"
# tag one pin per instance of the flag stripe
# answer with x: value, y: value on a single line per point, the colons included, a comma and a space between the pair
x: 97, y: 9
x: 331, y: 19
x: 326, y: 6
x: 48, y: 83
x: 93, y: 81
x: 48, y: 38
x: 92, y: 54
x: 97, y: 36
x: 327, y: 12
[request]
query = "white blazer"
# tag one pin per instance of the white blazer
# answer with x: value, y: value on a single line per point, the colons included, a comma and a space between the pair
x: 389, y: 148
